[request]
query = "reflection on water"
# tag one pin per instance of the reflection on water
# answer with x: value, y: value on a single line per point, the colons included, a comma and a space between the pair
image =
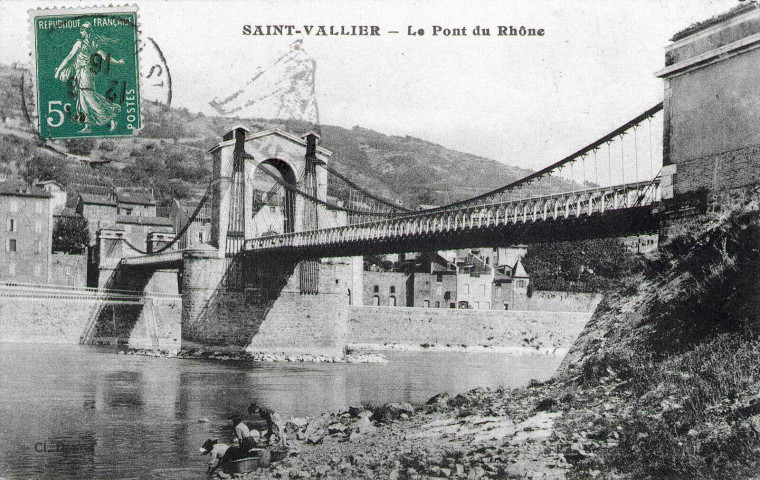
x: 84, y: 412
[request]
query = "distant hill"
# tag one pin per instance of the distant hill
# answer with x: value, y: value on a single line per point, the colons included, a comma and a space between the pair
x: 170, y: 155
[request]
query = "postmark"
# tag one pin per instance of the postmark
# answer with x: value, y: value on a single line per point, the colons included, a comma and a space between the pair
x: 86, y: 72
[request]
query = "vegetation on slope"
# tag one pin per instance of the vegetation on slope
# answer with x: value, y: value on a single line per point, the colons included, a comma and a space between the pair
x: 663, y: 383
x: 597, y: 265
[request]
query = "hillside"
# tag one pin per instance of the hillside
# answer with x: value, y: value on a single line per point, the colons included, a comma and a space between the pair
x: 170, y: 156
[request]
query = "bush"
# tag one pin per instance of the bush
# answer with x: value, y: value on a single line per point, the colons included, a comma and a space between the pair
x: 71, y: 235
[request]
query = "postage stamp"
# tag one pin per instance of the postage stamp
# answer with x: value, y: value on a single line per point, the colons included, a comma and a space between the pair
x: 86, y: 71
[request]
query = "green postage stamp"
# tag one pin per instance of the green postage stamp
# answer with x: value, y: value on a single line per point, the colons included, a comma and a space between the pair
x: 86, y: 71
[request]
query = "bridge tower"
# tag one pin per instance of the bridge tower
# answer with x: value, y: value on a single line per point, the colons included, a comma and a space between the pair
x: 234, y: 300
x: 711, y: 139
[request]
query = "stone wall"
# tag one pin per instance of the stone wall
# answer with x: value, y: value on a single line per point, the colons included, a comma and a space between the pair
x: 455, y: 327
x: 549, y: 301
x: 710, y: 106
x: 69, y: 270
x: 74, y: 317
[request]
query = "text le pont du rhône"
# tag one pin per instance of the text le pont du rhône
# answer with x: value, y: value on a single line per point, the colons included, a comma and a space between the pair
x: 375, y: 30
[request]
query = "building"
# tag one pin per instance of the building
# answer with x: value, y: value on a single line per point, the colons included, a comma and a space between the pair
x: 385, y: 289
x: 57, y: 192
x: 464, y: 279
x: 138, y: 202
x: 26, y: 232
x: 475, y: 278
x: 510, y: 287
x: 199, y: 230
x: 99, y: 210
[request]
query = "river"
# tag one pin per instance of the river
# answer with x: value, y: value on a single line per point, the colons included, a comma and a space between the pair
x: 69, y: 411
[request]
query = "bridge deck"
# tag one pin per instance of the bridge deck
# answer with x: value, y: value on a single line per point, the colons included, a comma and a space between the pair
x: 600, y: 212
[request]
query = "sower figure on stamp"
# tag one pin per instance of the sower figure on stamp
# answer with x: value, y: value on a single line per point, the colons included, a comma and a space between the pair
x: 274, y: 423
x: 80, y: 65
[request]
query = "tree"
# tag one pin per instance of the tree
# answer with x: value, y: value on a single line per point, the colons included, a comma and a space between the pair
x: 71, y: 235
x: 590, y: 265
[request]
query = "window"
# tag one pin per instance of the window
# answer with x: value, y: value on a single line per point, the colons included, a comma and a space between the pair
x: 392, y: 301
x: 200, y: 237
x: 477, y: 305
x: 393, y: 289
x: 375, y: 301
x: 376, y: 288
x: 437, y: 304
x: 427, y: 304
x: 11, y: 245
x: 11, y: 224
x: 482, y: 289
x: 488, y: 305
x: 521, y: 284
x: 439, y: 278
x: 506, y: 306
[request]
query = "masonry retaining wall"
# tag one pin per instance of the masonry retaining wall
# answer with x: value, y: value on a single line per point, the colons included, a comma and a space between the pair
x: 74, y: 317
x: 455, y: 327
x: 551, y: 301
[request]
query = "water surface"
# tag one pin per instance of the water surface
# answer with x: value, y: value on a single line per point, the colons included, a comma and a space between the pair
x: 69, y: 411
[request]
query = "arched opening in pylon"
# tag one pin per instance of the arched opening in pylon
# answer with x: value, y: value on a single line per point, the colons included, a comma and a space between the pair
x: 274, y: 204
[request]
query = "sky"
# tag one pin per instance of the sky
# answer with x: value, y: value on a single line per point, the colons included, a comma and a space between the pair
x: 525, y: 101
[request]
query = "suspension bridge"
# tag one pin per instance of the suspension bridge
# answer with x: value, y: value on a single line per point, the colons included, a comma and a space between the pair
x: 289, y: 228
x: 607, y: 188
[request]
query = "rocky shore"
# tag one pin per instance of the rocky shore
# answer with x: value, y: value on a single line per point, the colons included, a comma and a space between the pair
x: 350, y: 357
x: 482, y: 434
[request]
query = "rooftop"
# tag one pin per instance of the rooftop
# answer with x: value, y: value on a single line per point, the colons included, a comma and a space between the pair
x: 94, y: 199
x: 705, y: 24
x: 137, y: 197
x: 139, y: 220
x: 19, y: 188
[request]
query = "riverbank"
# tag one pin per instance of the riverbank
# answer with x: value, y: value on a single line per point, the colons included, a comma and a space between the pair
x: 349, y: 357
x: 662, y: 383
x: 509, y: 350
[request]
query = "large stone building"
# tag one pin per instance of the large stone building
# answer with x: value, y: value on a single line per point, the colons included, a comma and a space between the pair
x: 26, y: 232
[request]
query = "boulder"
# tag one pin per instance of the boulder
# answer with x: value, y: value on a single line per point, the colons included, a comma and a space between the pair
x: 393, y: 411
x: 336, y: 427
x: 442, y: 399
x: 317, y: 429
x: 362, y: 426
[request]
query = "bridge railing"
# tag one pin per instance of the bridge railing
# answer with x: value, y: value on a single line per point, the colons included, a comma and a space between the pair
x: 556, y: 206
